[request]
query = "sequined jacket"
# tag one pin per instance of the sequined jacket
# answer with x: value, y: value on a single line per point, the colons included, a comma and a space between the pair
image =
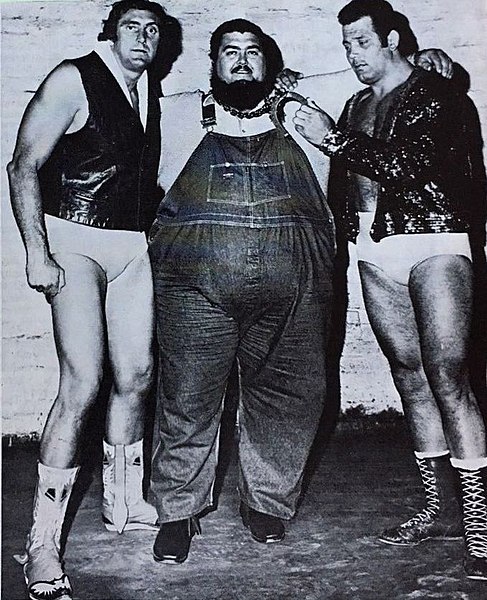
x: 426, y: 156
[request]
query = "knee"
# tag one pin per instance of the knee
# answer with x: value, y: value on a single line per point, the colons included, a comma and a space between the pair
x: 79, y: 386
x: 405, y: 364
x: 447, y: 376
x: 408, y: 374
x: 134, y: 379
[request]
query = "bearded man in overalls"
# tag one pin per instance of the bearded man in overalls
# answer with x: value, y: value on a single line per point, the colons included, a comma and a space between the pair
x: 242, y: 254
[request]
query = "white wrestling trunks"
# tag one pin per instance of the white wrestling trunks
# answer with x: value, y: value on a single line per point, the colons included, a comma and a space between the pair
x: 113, y: 250
x: 397, y: 255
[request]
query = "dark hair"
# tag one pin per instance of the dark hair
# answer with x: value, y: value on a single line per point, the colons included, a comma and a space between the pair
x: 171, y: 36
x: 270, y: 49
x: 384, y: 19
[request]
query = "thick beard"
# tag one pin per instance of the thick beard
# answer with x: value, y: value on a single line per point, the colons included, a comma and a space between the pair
x: 242, y: 95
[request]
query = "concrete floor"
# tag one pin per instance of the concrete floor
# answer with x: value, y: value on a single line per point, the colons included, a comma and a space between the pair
x: 364, y: 481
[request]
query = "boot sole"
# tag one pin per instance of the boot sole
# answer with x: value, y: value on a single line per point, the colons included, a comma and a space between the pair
x: 266, y: 540
x: 269, y: 540
x: 133, y: 527
x: 477, y: 577
x: 170, y: 560
x: 428, y: 539
x: 64, y: 597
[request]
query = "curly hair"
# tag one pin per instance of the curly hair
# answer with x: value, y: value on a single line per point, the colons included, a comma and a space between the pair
x: 171, y: 35
x: 384, y: 19
x: 272, y: 53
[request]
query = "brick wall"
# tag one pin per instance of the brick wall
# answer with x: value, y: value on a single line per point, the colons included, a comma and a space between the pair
x: 37, y: 35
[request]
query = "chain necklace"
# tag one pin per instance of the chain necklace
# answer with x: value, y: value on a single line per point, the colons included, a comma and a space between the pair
x: 251, y: 114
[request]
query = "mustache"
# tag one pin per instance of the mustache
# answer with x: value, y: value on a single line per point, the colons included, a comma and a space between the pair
x: 238, y: 68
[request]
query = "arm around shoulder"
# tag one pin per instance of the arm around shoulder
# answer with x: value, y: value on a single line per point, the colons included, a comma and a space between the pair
x: 182, y: 131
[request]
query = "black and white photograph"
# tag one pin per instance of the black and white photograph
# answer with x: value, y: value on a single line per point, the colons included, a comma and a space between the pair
x: 244, y: 299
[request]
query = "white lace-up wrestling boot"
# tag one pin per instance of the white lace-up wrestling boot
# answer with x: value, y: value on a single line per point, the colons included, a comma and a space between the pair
x: 124, y: 507
x: 43, y: 569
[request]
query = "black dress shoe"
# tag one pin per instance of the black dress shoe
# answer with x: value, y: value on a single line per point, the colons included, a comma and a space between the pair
x: 265, y: 529
x: 174, y: 539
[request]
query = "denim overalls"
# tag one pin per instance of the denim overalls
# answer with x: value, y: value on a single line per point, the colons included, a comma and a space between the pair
x: 242, y: 253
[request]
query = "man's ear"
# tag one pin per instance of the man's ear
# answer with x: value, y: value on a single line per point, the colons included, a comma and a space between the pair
x: 393, y: 40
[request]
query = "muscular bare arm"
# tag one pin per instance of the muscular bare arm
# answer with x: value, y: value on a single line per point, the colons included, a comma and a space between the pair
x: 56, y: 107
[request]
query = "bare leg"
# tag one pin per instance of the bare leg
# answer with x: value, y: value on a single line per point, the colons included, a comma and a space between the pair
x: 441, y: 288
x: 78, y: 320
x: 130, y: 324
x: 129, y: 314
x: 393, y: 321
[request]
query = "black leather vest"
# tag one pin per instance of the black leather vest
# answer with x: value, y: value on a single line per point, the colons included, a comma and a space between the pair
x: 105, y: 174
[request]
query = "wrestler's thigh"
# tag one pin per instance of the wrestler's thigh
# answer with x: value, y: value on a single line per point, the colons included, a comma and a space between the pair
x: 441, y: 289
x: 78, y: 315
x: 391, y: 315
x: 130, y: 317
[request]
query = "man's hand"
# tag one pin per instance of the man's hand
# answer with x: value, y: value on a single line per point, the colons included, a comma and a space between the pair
x: 287, y: 80
x: 435, y: 59
x: 312, y: 122
x: 45, y: 275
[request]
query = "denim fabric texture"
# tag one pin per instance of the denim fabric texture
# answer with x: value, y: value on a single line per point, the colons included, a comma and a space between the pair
x: 263, y: 180
x: 258, y: 295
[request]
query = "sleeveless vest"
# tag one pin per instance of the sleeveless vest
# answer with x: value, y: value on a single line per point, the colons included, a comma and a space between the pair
x: 105, y: 174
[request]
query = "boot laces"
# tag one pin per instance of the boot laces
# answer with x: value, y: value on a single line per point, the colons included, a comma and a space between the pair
x: 474, y: 513
x: 423, y: 516
x: 432, y: 497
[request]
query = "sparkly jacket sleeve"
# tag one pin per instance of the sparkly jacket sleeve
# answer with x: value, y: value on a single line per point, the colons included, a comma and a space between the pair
x: 426, y: 156
x: 412, y: 145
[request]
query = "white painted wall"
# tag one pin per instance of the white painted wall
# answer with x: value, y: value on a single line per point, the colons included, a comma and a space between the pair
x: 37, y: 35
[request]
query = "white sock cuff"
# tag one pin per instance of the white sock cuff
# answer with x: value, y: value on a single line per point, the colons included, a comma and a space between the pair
x: 469, y: 464
x: 433, y: 454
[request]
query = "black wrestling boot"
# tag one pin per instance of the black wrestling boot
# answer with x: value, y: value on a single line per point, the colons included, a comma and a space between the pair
x: 474, y: 491
x: 174, y: 539
x: 265, y: 529
x: 441, y: 519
